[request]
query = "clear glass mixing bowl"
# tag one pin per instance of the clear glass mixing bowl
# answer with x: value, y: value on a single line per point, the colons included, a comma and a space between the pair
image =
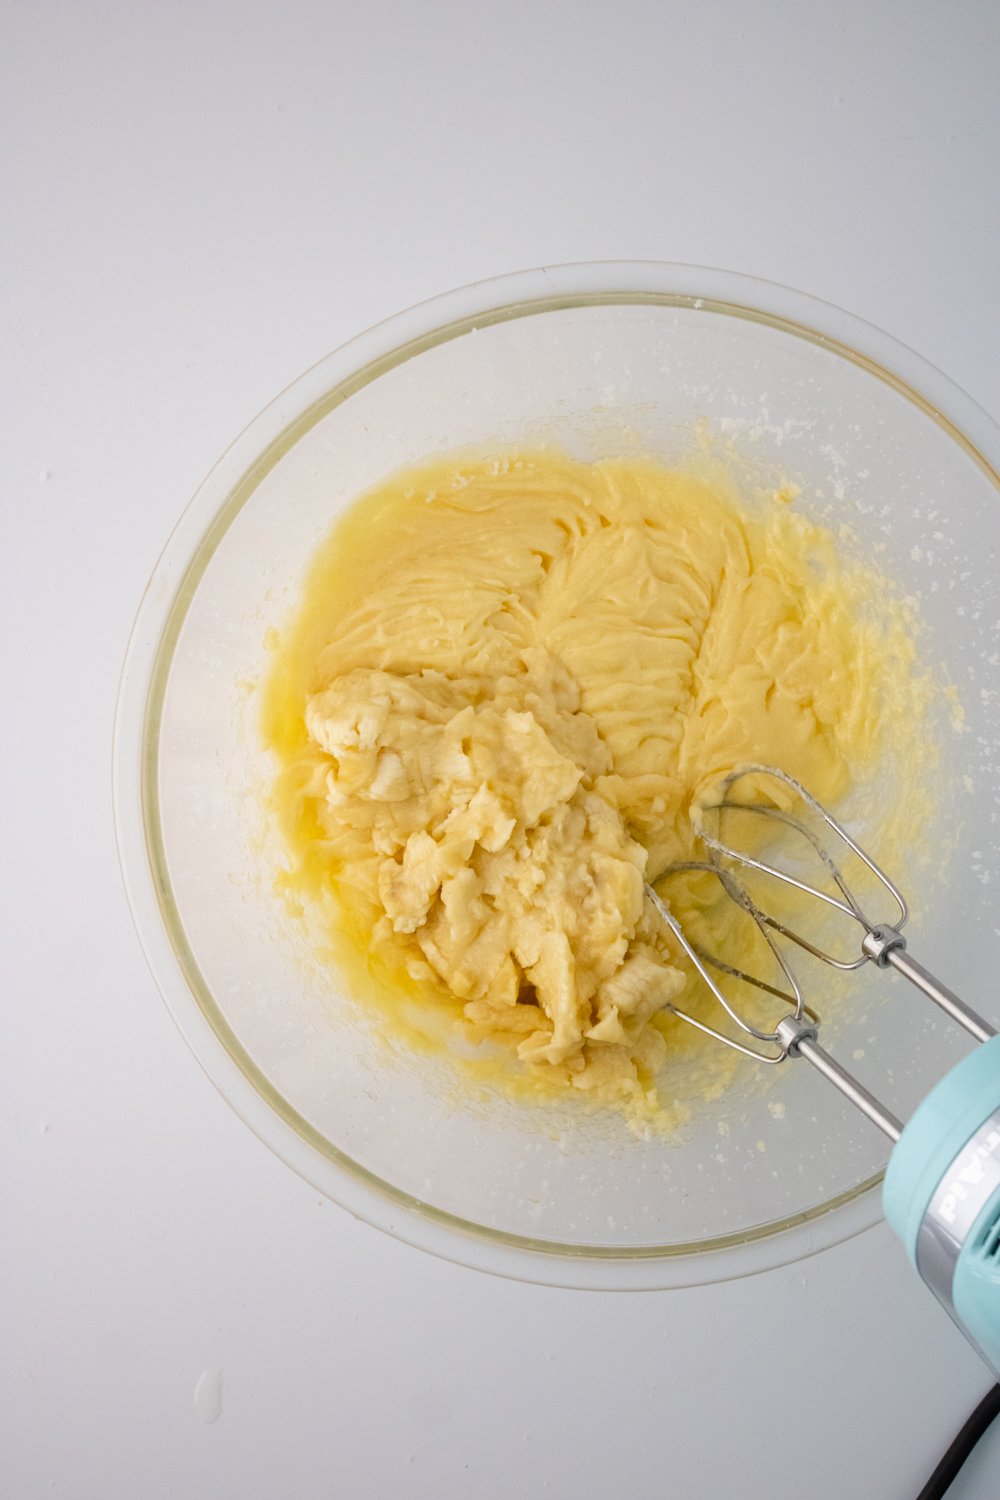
x: 599, y: 359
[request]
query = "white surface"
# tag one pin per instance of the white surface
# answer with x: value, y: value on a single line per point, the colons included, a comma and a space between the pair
x: 205, y: 199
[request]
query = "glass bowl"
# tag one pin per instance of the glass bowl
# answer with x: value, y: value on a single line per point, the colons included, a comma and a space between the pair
x: 599, y: 359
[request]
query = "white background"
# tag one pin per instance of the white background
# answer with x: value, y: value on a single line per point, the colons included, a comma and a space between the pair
x: 199, y: 200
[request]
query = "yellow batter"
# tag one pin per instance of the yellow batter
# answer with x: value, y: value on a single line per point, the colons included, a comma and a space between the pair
x: 505, y: 686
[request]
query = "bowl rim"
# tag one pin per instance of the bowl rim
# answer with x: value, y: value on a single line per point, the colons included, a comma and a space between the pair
x: 167, y: 595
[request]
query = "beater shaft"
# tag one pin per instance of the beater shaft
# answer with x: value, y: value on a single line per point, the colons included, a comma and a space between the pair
x: 941, y: 995
x: 797, y: 1037
x: 886, y: 945
x: 851, y: 1088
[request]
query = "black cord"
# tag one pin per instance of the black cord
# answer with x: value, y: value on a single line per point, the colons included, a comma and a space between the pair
x: 961, y: 1446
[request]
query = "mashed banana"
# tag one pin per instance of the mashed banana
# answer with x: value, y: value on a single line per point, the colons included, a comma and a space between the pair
x: 506, y: 685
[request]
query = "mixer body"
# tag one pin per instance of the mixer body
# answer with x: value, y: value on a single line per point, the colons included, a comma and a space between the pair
x: 942, y: 1195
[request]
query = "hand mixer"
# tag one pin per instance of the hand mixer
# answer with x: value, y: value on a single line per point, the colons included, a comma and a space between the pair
x: 942, y: 1187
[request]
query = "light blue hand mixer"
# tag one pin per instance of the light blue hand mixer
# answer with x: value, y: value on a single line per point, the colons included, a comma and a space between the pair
x: 942, y: 1188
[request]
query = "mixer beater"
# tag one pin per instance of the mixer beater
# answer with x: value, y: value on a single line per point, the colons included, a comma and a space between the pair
x: 942, y: 1185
